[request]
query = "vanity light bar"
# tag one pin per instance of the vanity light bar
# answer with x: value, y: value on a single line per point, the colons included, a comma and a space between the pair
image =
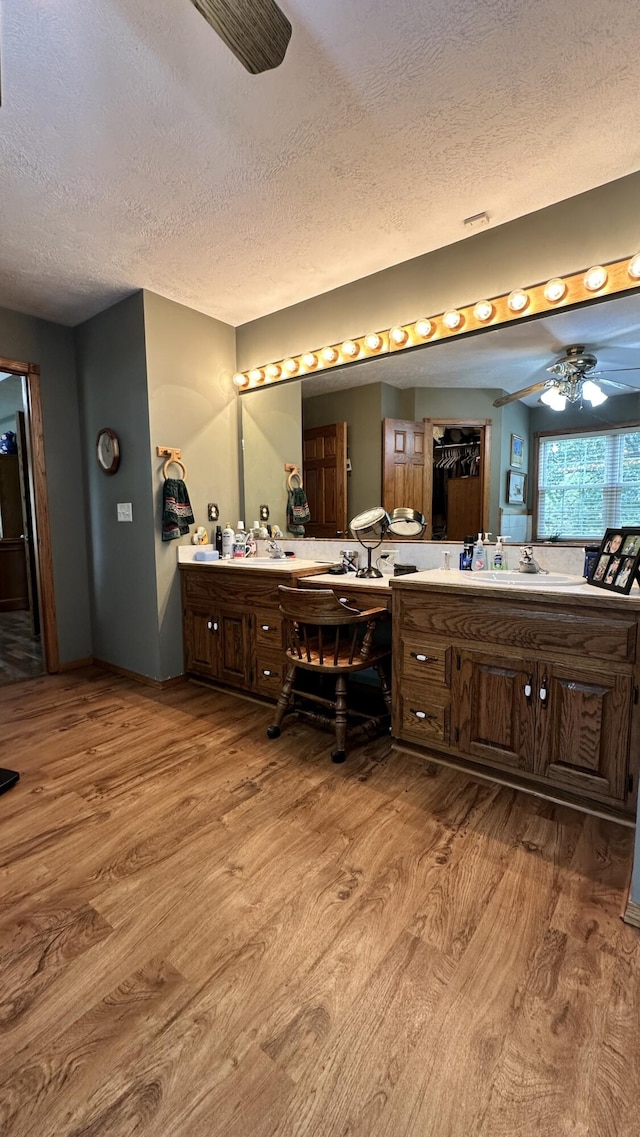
x: 559, y: 292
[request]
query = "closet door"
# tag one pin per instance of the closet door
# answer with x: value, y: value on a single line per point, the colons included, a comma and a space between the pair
x: 404, y: 447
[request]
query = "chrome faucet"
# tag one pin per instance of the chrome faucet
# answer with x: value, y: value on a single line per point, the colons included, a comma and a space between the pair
x: 528, y: 562
x: 275, y: 550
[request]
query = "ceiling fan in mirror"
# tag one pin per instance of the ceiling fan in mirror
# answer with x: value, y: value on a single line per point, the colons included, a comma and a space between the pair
x: 256, y: 31
x: 574, y: 381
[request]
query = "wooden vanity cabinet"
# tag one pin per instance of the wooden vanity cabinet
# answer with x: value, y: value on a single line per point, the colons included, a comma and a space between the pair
x: 535, y: 690
x: 232, y: 626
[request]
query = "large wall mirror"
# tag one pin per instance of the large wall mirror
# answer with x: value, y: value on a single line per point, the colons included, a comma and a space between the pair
x: 433, y: 408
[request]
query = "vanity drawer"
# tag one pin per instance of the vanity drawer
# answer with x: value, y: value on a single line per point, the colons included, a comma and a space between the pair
x: 268, y: 628
x: 423, y: 714
x: 425, y: 659
x: 527, y: 625
x: 269, y: 673
x: 233, y: 587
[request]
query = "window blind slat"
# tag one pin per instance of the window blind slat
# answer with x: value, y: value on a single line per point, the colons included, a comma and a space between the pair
x: 588, y: 483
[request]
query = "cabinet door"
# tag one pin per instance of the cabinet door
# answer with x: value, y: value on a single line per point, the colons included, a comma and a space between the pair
x: 583, y: 729
x: 200, y: 639
x: 234, y: 648
x: 494, y: 708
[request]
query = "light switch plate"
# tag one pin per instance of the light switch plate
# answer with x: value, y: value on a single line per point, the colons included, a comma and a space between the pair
x: 125, y: 512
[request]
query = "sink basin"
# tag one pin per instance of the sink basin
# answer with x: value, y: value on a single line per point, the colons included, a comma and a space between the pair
x: 525, y: 579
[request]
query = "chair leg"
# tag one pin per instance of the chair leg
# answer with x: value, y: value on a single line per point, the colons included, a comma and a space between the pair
x: 284, y: 702
x: 339, y: 754
x: 384, y: 684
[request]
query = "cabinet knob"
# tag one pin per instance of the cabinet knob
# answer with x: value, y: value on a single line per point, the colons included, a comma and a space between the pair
x: 418, y: 714
x: 424, y: 658
x: 266, y: 627
x: 265, y: 671
x: 212, y: 625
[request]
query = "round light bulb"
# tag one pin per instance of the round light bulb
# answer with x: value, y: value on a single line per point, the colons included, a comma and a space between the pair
x: 373, y: 342
x: 517, y: 300
x: 291, y: 365
x: 310, y: 360
x: 452, y: 319
x: 552, y: 398
x: 554, y: 290
x: 239, y: 379
x: 595, y: 278
x: 399, y: 336
x: 273, y: 371
x: 329, y: 354
x: 424, y: 328
x: 256, y: 375
x: 350, y: 349
x: 483, y: 310
x: 634, y: 267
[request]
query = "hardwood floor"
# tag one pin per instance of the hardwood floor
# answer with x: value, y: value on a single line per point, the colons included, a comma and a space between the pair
x: 205, y: 933
x: 20, y: 653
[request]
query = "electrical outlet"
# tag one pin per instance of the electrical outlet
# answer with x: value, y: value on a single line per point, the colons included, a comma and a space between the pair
x: 213, y: 512
x: 125, y: 512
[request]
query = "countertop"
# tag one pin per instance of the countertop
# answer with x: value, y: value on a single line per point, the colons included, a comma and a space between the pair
x: 481, y: 584
x: 265, y: 564
x: 350, y: 580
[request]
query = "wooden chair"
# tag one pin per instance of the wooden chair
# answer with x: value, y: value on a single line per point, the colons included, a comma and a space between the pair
x: 329, y: 638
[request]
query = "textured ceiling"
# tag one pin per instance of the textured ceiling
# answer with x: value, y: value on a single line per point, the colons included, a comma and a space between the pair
x: 135, y: 151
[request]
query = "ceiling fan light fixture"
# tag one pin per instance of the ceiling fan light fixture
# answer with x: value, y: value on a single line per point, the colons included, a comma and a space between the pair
x: 552, y: 398
x: 634, y: 267
x: 554, y: 290
x: 483, y: 310
x: 595, y: 278
x: 517, y: 300
x: 593, y: 393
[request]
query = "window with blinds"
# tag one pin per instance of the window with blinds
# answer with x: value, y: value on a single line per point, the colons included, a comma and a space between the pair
x: 587, y: 483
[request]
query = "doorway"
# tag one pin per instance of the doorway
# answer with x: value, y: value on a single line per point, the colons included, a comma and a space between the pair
x: 28, y: 632
x: 441, y: 468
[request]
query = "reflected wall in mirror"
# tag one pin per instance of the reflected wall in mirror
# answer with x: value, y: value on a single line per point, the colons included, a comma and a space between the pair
x: 456, y: 381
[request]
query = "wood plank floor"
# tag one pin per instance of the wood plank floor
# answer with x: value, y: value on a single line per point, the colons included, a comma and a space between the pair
x: 205, y: 933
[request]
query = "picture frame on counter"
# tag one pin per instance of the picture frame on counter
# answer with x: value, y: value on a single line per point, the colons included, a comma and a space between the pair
x: 618, y: 561
x: 517, y: 451
x: 516, y: 487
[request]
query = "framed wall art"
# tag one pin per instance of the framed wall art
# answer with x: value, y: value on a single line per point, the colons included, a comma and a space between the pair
x: 618, y: 561
x: 516, y: 487
x: 517, y: 451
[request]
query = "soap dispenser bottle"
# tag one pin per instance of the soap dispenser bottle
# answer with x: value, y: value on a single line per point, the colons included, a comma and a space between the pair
x: 500, y: 556
x: 478, y: 560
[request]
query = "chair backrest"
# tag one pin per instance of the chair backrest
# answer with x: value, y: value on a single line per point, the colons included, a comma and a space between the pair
x: 310, y: 613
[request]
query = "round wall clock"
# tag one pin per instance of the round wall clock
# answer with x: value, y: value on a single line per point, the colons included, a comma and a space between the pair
x: 107, y: 450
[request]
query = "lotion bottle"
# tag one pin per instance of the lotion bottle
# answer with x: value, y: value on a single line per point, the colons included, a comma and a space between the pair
x: 227, y: 541
x: 500, y: 556
x: 240, y: 541
x: 478, y: 560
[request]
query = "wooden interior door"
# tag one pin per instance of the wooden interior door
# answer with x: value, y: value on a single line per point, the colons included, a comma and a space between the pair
x: 27, y: 524
x: 403, y: 467
x: 324, y: 475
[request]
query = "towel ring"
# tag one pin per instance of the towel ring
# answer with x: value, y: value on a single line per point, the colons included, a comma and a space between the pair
x: 291, y: 476
x: 174, y: 462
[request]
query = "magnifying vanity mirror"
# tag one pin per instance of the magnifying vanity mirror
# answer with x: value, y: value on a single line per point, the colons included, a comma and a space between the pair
x: 420, y: 429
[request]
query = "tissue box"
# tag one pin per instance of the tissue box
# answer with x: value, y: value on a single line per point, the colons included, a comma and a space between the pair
x: 207, y: 555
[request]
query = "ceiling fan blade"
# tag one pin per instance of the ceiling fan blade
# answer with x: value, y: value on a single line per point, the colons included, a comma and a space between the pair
x: 256, y: 31
x: 620, y: 386
x: 521, y: 394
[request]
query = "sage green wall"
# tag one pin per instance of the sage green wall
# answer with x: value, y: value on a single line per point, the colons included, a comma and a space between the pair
x: 272, y: 434
x: 11, y: 400
x: 617, y: 410
x: 112, y: 374
x: 38, y: 341
x: 193, y: 405
x: 593, y: 228
x: 361, y: 409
